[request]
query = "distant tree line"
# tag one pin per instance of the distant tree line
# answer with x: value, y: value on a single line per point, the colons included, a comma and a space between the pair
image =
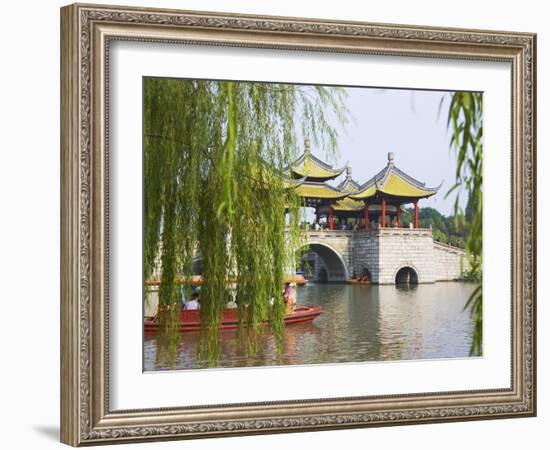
x: 451, y: 230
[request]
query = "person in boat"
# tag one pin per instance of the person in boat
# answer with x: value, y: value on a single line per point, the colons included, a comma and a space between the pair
x: 194, y: 302
x: 289, y: 297
x: 365, y: 276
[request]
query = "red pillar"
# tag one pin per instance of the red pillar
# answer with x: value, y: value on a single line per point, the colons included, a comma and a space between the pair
x: 384, y: 213
x: 416, y: 214
x: 398, y: 216
x: 366, y: 216
x: 330, y: 219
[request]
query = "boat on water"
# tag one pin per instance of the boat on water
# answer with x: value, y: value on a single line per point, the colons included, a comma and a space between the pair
x: 297, y: 279
x: 361, y: 279
x: 190, y: 319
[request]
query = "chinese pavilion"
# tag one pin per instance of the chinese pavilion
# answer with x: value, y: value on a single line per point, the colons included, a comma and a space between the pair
x: 311, y: 175
x: 311, y: 168
x: 378, y: 202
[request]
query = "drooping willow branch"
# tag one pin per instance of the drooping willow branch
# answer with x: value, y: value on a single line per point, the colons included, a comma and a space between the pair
x: 214, y: 155
x: 466, y: 121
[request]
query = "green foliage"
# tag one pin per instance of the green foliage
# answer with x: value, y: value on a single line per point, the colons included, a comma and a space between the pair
x: 457, y: 241
x: 440, y: 236
x: 213, y: 158
x: 446, y: 229
x: 465, y: 120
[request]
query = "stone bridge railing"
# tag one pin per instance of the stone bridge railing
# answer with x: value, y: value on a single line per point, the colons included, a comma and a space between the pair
x: 451, y: 262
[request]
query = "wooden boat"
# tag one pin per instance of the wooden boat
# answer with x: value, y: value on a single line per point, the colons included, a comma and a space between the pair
x: 299, y: 279
x: 358, y: 281
x: 190, y: 319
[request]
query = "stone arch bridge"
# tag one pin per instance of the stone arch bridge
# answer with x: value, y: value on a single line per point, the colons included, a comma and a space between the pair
x: 389, y: 255
x: 386, y: 255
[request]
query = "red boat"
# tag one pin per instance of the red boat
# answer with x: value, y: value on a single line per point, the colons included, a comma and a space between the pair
x: 190, y: 319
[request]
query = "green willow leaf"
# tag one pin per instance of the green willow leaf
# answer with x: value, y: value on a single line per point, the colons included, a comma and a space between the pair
x: 214, y: 155
x: 465, y: 117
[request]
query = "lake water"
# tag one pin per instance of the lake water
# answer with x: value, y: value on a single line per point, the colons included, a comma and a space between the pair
x: 358, y: 323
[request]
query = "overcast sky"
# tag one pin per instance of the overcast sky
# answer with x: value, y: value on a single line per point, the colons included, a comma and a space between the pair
x: 406, y: 123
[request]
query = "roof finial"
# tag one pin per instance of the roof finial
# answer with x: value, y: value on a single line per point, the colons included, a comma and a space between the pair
x: 348, y: 171
x: 306, y: 146
x: 390, y: 158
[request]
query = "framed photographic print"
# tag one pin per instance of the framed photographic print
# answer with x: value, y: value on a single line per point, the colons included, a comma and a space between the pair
x: 275, y: 224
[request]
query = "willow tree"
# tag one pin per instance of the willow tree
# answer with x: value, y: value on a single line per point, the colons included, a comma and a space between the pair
x: 465, y: 119
x: 214, y: 155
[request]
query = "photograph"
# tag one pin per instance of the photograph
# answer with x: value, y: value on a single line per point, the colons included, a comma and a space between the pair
x: 299, y: 224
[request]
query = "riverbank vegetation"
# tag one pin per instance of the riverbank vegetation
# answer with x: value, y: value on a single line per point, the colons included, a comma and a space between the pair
x: 450, y: 230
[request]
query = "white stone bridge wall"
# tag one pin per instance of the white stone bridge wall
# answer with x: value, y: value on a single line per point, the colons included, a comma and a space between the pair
x: 403, y: 247
x: 451, y: 262
x: 383, y: 252
x: 335, y: 252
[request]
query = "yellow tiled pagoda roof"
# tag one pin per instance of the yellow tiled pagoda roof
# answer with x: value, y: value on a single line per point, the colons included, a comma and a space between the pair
x: 349, y: 184
x: 310, y: 189
x: 365, y: 192
x: 313, y: 168
x: 347, y: 204
x: 398, y: 186
x: 349, y: 195
x: 394, y: 182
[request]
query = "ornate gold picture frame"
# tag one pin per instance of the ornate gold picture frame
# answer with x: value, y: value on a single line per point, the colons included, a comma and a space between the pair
x: 87, y: 32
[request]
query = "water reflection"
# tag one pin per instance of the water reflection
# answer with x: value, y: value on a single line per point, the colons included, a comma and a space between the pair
x: 359, y: 323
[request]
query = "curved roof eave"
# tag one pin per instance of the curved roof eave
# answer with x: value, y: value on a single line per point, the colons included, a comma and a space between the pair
x: 325, y: 171
x: 398, y: 184
x: 310, y: 189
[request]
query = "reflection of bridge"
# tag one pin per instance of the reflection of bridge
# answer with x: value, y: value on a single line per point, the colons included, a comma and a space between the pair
x: 387, y: 255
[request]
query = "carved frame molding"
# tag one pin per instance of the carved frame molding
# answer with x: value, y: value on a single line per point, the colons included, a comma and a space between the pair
x: 86, y: 32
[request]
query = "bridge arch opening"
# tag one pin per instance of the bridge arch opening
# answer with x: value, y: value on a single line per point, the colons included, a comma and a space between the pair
x: 406, y: 275
x: 322, y: 277
x: 329, y: 265
x: 365, y: 275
